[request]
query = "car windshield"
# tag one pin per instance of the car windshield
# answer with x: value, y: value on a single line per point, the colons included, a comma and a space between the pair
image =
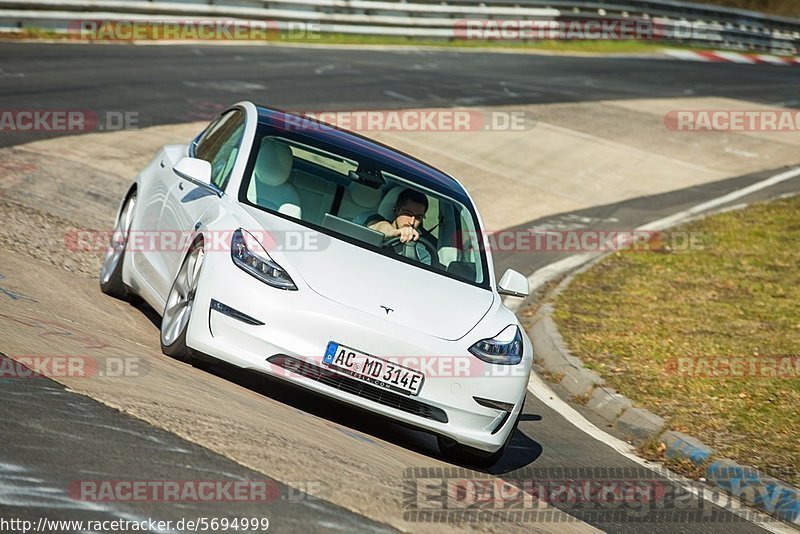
x: 347, y: 199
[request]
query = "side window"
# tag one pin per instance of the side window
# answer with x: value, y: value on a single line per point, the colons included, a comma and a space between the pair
x: 220, y: 144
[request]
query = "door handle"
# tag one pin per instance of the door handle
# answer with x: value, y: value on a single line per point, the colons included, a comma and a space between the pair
x: 180, y: 186
x: 162, y: 164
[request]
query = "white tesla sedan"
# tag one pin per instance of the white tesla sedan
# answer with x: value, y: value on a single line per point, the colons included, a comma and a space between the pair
x: 263, y: 243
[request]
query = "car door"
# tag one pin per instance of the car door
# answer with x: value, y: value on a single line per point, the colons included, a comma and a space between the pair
x: 186, y: 202
x: 156, y: 181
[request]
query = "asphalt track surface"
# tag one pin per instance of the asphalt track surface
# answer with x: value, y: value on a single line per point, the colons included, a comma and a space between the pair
x: 76, y: 438
x: 174, y: 84
x: 184, y: 83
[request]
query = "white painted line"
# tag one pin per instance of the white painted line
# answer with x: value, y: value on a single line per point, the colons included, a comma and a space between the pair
x: 542, y: 391
x: 730, y: 197
x: 554, y: 270
x: 735, y: 207
x: 547, y: 273
x: 774, y: 60
x: 324, y: 68
x: 399, y: 96
x: 686, y: 55
x: 550, y: 272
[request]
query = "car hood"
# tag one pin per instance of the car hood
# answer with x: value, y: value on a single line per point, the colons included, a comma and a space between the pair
x: 372, y: 283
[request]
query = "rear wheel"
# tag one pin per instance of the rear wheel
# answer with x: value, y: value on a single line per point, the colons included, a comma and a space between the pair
x: 111, y: 270
x: 465, y: 455
x: 178, y: 310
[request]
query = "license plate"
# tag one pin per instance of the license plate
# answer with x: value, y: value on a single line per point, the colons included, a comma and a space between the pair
x: 373, y: 370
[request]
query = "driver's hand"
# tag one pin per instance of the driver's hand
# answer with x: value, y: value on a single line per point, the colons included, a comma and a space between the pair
x: 407, y: 233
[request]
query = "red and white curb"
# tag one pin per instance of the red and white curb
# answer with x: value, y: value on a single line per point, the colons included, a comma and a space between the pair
x: 733, y: 57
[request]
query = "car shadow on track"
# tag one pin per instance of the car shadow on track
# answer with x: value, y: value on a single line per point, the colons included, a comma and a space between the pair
x: 521, y: 452
x: 149, y: 313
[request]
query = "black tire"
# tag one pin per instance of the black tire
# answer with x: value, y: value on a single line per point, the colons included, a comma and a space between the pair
x: 112, y: 284
x: 178, y: 348
x: 469, y: 456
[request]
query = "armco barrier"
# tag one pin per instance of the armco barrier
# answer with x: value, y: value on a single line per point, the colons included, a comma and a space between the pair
x: 675, y: 22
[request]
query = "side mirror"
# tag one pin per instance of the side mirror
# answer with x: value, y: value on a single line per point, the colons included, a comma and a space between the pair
x: 197, y: 171
x: 513, y: 284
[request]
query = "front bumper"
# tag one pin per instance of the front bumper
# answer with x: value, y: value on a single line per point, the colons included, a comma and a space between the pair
x: 297, y: 326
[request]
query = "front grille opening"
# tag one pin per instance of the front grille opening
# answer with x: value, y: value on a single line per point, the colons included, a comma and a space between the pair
x: 358, y: 388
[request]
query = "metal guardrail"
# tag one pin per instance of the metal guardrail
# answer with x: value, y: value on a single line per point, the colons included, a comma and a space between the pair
x: 673, y: 21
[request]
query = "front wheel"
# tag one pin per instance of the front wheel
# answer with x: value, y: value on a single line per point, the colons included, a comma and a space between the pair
x: 178, y: 310
x: 111, y: 271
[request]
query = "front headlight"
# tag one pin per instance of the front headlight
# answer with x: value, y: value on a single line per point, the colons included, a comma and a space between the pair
x: 503, y: 349
x: 249, y: 255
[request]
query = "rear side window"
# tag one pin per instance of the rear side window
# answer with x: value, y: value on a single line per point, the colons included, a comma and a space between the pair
x: 220, y: 144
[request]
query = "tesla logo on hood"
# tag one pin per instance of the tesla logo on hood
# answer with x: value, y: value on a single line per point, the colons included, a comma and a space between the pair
x: 388, y: 309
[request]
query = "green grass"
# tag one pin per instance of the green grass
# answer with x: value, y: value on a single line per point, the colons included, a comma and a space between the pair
x: 608, y: 47
x: 634, y: 314
x: 32, y: 33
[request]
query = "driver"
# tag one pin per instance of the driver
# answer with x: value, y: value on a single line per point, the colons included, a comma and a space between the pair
x: 409, y: 212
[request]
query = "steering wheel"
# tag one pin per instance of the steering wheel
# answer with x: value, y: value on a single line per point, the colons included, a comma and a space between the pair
x: 410, y: 248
